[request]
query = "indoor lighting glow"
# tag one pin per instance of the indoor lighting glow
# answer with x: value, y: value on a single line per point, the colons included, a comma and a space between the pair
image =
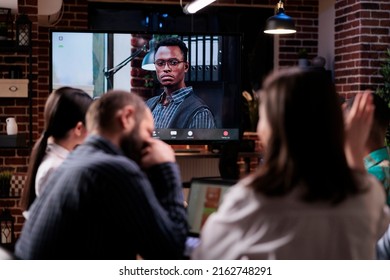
x: 109, y: 73
x: 148, y: 61
x: 193, y: 7
x: 280, y: 23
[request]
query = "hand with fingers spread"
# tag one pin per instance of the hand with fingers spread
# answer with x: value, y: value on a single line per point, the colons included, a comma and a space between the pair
x: 358, y: 121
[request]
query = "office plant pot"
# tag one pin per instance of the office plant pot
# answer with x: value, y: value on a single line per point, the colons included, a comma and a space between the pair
x: 303, y: 62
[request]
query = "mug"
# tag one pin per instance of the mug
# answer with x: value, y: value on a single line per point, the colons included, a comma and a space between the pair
x: 12, y: 126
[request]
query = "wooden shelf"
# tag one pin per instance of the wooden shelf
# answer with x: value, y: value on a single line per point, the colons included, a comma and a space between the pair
x: 8, y: 141
x: 10, y: 46
x: 17, y: 88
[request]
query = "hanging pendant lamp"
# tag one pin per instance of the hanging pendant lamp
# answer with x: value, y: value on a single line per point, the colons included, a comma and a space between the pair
x: 280, y: 23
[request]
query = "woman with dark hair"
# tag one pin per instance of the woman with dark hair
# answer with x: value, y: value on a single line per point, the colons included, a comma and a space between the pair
x: 64, y: 118
x: 299, y: 204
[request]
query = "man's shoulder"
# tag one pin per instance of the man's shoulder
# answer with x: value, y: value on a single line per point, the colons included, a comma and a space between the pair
x: 100, y: 162
x: 151, y: 102
x: 152, y: 99
x: 194, y: 100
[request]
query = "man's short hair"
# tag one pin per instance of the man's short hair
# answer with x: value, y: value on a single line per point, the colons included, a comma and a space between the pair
x: 175, y: 42
x: 102, y: 112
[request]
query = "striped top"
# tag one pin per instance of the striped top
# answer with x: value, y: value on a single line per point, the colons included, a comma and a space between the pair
x: 378, y: 164
x: 164, y: 114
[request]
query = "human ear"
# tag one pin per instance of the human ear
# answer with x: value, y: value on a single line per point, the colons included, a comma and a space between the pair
x: 127, y: 117
x: 79, y: 128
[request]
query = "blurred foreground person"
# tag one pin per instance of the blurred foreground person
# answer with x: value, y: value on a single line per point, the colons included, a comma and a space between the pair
x: 297, y: 205
x: 377, y: 154
x: 117, y: 195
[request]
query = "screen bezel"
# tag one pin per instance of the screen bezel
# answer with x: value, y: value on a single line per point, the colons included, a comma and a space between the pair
x: 237, y: 129
x: 197, y: 197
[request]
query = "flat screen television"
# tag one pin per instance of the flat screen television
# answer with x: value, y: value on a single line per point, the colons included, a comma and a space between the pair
x: 97, y: 61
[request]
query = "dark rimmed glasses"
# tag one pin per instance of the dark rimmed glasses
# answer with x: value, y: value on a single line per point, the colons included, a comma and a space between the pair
x: 173, y: 62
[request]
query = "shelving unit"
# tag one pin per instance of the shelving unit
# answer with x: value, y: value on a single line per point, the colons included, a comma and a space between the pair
x: 16, y: 88
x: 13, y: 141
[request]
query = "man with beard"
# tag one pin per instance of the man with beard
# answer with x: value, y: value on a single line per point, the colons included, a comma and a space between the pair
x: 118, y: 195
x: 178, y: 106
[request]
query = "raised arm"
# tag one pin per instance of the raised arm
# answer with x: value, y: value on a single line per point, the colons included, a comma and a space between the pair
x: 358, y: 121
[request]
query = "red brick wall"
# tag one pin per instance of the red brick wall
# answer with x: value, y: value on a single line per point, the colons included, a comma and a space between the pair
x: 305, y: 14
x: 76, y: 17
x: 137, y: 73
x: 362, y: 35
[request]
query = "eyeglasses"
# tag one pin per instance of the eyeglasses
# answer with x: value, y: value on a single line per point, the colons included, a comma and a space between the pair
x: 173, y: 62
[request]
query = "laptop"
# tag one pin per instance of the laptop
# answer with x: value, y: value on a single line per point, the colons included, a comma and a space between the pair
x: 205, y: 196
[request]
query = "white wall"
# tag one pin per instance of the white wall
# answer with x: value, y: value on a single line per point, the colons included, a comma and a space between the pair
x: 326, y: 32
x: 72, y: 59
x: 122, y: 50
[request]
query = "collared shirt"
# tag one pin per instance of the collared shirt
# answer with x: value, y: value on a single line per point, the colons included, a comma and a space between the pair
x: 55, y: 155
x: 99, y: 204
x: 378, y: 164
x: 163, y: 114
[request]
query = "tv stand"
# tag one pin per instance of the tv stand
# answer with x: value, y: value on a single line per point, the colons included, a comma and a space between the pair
x: 188, y: 151
x: 197, y: 163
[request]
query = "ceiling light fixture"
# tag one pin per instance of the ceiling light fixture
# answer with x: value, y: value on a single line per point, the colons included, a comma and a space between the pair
x: 193, y: 7
x: 280, y: 23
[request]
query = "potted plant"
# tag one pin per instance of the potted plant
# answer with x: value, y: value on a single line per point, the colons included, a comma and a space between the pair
x: 303, y: 58
x: 5, y: 183
x: 252, y: 105
x: 384, y: 90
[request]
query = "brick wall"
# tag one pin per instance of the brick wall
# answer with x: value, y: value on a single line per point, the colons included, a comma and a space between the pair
x: 362, y: 31
x: 137, y: 73
x: 76, y: 17
x: 305, y: 14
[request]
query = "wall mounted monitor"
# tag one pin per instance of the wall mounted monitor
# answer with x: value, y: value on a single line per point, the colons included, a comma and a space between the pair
x: 97, y: 61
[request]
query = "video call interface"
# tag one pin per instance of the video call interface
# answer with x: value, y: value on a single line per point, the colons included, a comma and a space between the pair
x: 79, y: 59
